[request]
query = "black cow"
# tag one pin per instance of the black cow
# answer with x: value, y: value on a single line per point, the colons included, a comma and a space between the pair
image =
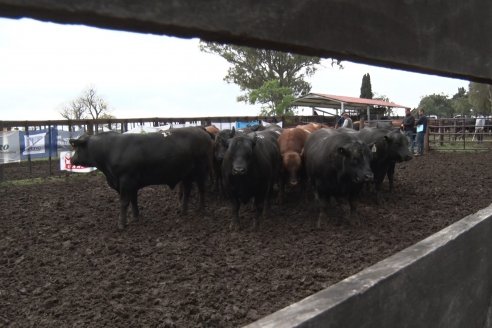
x: 389, y: 147
x: 249, y: 170
x: 221, y: 143
x: 337, y: 165
x: 133, y: 161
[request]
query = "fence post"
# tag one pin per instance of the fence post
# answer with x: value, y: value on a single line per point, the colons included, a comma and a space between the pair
x: 26, y: 127
x: 50, y: 138
x: 426, y: 139
x: 463, y: 132
x: 1, y: 164
x: 90, y: 128
x: 441, y: 133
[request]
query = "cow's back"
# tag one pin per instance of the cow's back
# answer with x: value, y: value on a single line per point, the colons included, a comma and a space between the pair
x: 321, y: 153
x: 267, y: 156
x: 161, y: 158
x: 292, y: 139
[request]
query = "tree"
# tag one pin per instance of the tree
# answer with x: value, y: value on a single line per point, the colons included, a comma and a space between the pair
x: 271, y: 78
x: 437, y: 104
x: 73, y: 111
x: 366, y: 88
x: 276, y: 99
x: 88, y: 104
x: 460, y: 103
x: 480, y: 97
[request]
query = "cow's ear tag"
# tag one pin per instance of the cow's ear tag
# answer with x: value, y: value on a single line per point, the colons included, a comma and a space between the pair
x: 374, y: 149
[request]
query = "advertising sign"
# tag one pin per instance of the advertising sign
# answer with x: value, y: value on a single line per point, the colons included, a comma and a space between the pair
x: 66, y: 164
x: 9, y: 147
x: 38, y: 143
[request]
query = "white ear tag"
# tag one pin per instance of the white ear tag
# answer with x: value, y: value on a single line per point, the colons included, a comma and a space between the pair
x: 374, y: 149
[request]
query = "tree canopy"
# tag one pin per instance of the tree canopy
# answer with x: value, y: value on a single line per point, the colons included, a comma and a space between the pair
x: 477, y: 100
x: 437, y: 104
x: 366, y: 88
x: 271, y: 78
x: 88, y: 105
x: 480, y: 98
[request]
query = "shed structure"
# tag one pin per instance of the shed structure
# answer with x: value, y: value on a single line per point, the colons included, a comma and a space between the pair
x: 343, y: 103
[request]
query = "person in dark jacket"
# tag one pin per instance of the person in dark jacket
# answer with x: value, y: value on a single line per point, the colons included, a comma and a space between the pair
x: 408, y: 126
x: 340, y: 122
x: 421, y: 129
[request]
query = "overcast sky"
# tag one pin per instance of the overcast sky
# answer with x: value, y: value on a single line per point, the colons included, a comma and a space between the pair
x: 45, y: 65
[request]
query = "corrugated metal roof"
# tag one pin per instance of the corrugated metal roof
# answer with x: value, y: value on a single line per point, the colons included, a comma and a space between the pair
x: 335, y: 102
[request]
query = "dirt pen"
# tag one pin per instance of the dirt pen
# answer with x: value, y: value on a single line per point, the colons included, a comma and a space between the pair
x: 64, y: 263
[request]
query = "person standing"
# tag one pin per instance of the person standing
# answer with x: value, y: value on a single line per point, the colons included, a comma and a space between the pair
x: 347, y: 122
x: 479, y: 126
x: 340, y: 122
x: 421, y: 129
x: 408, y: 126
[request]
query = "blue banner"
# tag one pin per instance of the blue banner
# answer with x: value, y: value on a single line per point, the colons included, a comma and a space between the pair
x: 242, y: 125
x: 38, y: 143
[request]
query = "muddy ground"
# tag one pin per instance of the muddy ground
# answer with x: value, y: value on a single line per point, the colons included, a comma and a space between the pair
x: 63, y: 263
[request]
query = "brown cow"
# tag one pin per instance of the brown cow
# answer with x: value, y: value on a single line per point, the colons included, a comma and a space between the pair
x: 212, y: 130
x: 291, y: 143
x: 311, y: 127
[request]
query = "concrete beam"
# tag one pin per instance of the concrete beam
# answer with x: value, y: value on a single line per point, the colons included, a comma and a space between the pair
x: 447, y: 38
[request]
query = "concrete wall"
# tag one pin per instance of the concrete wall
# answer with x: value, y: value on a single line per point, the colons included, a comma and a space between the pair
x: 443, y: 281
x: 444, y: 37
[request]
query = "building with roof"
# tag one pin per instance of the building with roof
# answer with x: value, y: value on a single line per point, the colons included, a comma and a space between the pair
x: 339, y: 104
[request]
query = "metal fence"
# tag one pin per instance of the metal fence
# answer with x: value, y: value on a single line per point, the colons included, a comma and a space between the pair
x: 454, y: 134
x: 39, y: 168
x: 446, y: 134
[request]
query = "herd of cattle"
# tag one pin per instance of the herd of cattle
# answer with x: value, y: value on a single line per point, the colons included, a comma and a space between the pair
x: 246, y: 164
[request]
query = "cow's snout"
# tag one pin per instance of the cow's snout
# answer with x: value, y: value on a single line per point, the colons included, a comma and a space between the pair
x: 293, y: 182
x: 238, y: 170
x: 368, y: 177
x: 365, y: 177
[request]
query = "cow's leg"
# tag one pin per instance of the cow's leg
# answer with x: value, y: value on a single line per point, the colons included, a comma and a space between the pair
x: 124, y: 202
x: 267, y: 200
x: 201, y: 190
x: 134, y: 202
x: 260, y: 210
x: 323, y: 202
x: 235, y: 214
x: 353, y: 216
x: 185, y: 195
x: 378, y: 182
x: 281, y: 192
x: 391, y: 174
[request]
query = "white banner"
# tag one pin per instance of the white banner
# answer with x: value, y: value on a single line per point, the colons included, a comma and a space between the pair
x: 66, y: 164
x: 35, y: 144
x: 9, y: 147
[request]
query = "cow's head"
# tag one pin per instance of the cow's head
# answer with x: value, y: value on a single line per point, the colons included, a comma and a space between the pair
x: 221, y: 143
x: 81, y: 155
x: 292, y: 164
x: 397, y: 146
x: 241, y: 154
x: 356, y: 159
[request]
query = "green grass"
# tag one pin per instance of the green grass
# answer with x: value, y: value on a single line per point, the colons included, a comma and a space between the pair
x: 458, y: 146
x: 35, y: 181
x: 23, y: 182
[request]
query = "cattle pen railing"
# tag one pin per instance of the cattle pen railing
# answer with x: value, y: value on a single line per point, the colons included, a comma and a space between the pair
x: 455, y: 134
x: 92, y: 126
x: 449, y: 134
x: 446, y: 134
